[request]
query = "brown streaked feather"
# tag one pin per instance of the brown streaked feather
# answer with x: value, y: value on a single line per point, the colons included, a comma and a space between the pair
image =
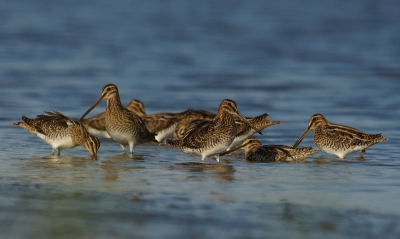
x: 189, y: 120
x: 97, y: 124
x: 60, y: 131
x: 211, y: 138
x: 256, y: 152
x: 339, y: 140
x: 137, y: 107
x: 122, y: 125
x: 261, y: 122
x: 160, y: 121
x: 244, y: 130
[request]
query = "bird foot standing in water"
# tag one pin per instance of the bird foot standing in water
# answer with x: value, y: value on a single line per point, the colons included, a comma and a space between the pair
x: 361, y: 154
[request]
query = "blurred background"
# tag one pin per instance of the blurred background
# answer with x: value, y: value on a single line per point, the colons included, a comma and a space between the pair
x: 177, y: 54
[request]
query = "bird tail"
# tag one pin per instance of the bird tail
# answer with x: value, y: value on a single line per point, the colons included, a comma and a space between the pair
x: 27, y: 127
x: 153, y: 138
x: 378, y: 137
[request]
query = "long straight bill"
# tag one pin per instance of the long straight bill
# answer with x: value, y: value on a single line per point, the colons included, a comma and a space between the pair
x: 301, y: 137
x: 90, y: 109
x: 250, y: 124
x: 233, y: 150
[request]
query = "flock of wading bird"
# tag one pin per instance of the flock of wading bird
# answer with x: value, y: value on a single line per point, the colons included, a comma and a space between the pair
x: 193, y: 131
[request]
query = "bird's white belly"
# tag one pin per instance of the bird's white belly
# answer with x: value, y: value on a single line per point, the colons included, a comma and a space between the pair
x: 98, y: 132
x: 208, y: 151
x: 60, y: 143
x: 238, y: 141
x: 161, y: 135
x: 122, y: 138
x: 215, y: 150
x: 342, y: 153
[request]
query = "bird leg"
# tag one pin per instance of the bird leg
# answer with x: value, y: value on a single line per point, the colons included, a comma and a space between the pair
x: 123, y: 148
x: 131, y: 148
x: 361, y: 154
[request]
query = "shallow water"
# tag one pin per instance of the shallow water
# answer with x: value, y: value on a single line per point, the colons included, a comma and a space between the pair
x: 287, y: 58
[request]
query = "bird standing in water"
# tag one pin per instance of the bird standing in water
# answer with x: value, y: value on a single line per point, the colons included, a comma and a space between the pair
x: 123, y: 126
x: 338, y: 139
x: 60, y: 132
x: 97, y: 124
x: 210, y: 138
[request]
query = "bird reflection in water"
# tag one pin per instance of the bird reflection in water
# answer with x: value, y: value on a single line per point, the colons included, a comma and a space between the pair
x: 222, y: 171
x: 57, y: 169
x: 57, y: 161
x: 336, y: 161
x: 114, y: 165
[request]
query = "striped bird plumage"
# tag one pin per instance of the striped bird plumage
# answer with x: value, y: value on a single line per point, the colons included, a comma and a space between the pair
x: 164, y: 124
x: 123, y: 126
x: 244, y: 130
x: 339, y: 140
x: 256, y: 152
x: 97, y: 124
x: 190, y: 120
x: 60, y: 131
x: 210, y: 138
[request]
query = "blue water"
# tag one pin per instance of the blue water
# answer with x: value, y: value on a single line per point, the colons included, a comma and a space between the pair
x: 289, y: 58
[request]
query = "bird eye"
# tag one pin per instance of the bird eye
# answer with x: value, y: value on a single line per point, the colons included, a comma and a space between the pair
x: 108, y: 89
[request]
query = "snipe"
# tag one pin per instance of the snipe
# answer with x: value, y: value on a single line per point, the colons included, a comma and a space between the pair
x: 60, y: 132
x: 211, y: 138
x: 256, y: 152
x: 338, y: 139
x: 123, y: 126
x: 97, y: 124
x: 190, y: 120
